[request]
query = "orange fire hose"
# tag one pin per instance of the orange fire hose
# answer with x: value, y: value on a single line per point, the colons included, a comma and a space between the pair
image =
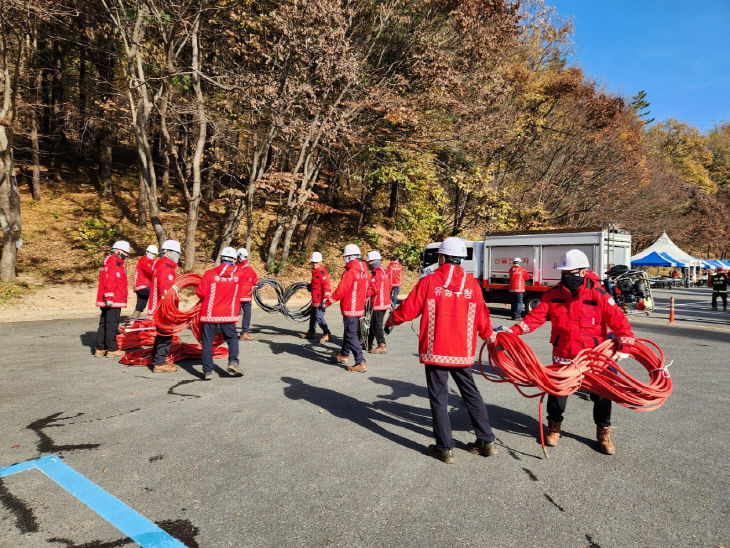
x: 594, y: 370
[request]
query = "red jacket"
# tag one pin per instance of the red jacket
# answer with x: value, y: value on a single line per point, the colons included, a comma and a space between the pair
x: 578, y: 322
x: 517, y: 278
x: 379, y: 289
x: 247, y: 278
x: 143, y: 273
x: 321, y: 289
x: 394, y: 271
x: 112, y: 283
x: 352, y: 289
x: 452, y: 312
x: 220, y: 290
x: 163, y: 276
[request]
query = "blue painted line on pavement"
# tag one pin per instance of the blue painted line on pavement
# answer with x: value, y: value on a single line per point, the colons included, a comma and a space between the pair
x: 134, y: 525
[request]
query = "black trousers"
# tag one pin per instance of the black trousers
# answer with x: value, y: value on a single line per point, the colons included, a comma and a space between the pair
x: 350, y: 340
x: 161, y: 348
x: 143, y: 295
x: 316, y: 318
x: 376, y: 328
x: 106, y: 335
x: 208, y: 332
x: 246, y: 319
x: 722, y: 295
x: 437, y: 379
x: 601, y: 409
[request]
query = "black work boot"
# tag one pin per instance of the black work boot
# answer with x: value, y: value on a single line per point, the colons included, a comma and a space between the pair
x: 444, y: 455
x: 483, y: 448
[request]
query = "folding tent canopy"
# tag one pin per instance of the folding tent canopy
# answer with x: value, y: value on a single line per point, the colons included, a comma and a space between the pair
x: 680, y: 264
x: 653, y: 259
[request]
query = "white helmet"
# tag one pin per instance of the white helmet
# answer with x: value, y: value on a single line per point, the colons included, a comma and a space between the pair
x: 351, y: 249
x: 453, y: 246
x: 242, y: 253
x: 373, y: 256
x: 517, y: 260
x: 228, y: 253
x: 152, y: 249
x: 121, y: 245
x: 316, y: 257
x: 171, y: 245
x: 574, y: 259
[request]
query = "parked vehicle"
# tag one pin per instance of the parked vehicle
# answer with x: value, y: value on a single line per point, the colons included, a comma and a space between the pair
x: 541, y: 251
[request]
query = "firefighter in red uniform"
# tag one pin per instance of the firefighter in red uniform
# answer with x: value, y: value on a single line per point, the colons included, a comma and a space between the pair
x: 395, y: 269
x: 517, y: 278
x: 351, y: 291
x: 220, y: 290
x: 453, y: 313
x: 320, y: 289
x: 143, y: 279
x: 111, y: 297
x: 581, y: 313
x: 163, y: 276
x: 248, y: 280
x: 379, y: 294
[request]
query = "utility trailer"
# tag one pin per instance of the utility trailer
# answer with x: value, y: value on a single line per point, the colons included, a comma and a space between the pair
x: 541, y: 252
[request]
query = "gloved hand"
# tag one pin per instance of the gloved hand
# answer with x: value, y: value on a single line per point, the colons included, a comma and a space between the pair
x: 260, y: 285
x: 309, y: 287
x: 618, y: 356
x: 388, y: 329
x: 500, y: 329
x: 108, y: 304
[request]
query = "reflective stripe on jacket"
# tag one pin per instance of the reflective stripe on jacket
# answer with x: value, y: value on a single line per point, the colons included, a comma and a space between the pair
x: 163, y: 276
x: 517, y: 278
x: 320, y: 285
x: 379, y: 289
x: 143, y: 273
x: 352, y: 289
x: 220, y: 290
x: 112, y: 286
x: 452, y: 312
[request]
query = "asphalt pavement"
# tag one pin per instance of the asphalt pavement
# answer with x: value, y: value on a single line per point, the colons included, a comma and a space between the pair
x: 300, y: 452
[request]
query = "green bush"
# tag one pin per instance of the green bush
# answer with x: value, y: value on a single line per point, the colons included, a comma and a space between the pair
x: 95, y: 236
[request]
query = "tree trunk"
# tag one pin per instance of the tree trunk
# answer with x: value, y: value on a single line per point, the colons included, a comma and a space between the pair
x: 234, y: 213
x: 35, y: 185
x: 393, y: 205
x: 142, y: 209
x: 274, y: 245
x: 57, y: 99
x: 82, y: 84
x: 9, y: 203
x: 287, y: 241
x: 105, y: 160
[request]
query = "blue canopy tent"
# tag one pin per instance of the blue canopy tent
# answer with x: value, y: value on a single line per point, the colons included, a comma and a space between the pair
x: 653, y: 259
x: 714, y: 263
x: 680, y: 264
x: 725, y: 262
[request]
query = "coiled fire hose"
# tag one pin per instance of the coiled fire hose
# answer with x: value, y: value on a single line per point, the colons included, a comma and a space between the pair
x: 167, y: 320
x: 512, y: 360
x: 282, y: 296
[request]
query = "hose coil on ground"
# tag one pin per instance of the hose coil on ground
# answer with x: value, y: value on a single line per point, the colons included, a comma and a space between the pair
x: 283, y: 295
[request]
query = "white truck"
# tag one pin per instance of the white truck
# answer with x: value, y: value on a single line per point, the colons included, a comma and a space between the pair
x: 490, y: 260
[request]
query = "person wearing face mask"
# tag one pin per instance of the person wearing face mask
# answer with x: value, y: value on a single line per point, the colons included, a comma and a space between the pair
x: 379, y: 294
x: 111, y: 297
x: 163, y: 277
x: 351, y: 291
x: 143, y: 279
x: 582, y: 315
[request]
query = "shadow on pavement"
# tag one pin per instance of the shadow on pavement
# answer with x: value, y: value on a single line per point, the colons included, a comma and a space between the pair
x: 361, y: 413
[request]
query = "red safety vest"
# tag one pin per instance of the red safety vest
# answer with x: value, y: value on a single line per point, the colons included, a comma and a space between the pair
x: 452, y: 312
x: 517, y: 278
x: 379, y: 289
x: 163, y: 276
x: 247, y: 279
x: 112, y: 286
x: 143, y: 273
x: 577, y: 322
x: 220, y: 290
x: 320, y: 285
x: 394, y: 271
x: 352, y: 289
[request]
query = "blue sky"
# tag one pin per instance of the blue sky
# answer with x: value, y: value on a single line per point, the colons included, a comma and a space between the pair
x: 677, y: 51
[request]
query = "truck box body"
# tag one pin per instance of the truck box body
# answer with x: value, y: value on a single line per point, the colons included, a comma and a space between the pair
x: 541, y: 252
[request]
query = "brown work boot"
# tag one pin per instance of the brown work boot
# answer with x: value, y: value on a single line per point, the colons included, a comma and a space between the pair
x: 553, y: 435
x: 99, y: 353
x: 380, y: 349
x: 245, y: 337
x: 307, y: 335
x: 605, y: 445
x: 324, y: 338
x: 444, y: 455
x: 165, y: 368
x: 115, y: 353
x: 481, y: 447
x: 338, y: 358
x: 358, y: 367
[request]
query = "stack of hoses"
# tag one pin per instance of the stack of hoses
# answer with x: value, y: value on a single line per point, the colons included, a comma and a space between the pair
x: 593, y: 370
x: 168, y: 319
x: 282, y: 297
